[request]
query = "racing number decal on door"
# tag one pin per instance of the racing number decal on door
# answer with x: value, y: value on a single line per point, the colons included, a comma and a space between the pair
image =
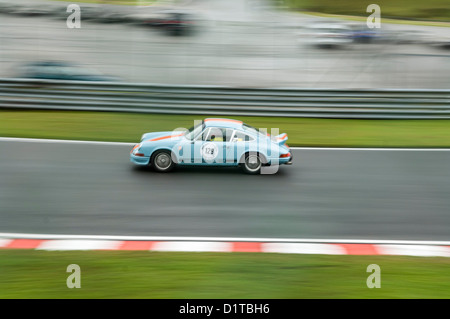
x: 209, y: 152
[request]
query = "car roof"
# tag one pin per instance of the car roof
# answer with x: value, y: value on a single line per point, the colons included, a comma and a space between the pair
x: 221, y: 122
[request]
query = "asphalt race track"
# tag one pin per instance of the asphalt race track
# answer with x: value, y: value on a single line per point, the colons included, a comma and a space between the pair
x: 69, y: 188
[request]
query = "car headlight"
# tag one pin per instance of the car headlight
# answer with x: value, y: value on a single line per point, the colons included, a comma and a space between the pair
x: 136, y: 149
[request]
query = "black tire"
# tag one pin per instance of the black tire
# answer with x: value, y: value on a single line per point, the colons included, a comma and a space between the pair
x: 162, y: 161
x: 252, y: 163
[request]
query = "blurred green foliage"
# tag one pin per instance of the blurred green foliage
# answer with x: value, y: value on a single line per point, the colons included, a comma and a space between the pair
x: 411, y: 9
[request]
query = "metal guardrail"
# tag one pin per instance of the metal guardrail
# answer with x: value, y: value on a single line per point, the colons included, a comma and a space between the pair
x: 225, y: 101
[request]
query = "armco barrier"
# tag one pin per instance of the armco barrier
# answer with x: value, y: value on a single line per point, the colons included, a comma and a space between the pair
x: 226, y: 101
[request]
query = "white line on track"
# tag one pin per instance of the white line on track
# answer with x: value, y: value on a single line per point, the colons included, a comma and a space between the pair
x: 40, y: 140
x: 221, y: 239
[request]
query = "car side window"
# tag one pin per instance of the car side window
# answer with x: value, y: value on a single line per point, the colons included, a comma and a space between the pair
x: 216, y: 134
x: 229, y: 134
x: 242, y: 137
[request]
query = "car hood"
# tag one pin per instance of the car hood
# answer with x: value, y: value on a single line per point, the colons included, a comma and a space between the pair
x: 157, y: 136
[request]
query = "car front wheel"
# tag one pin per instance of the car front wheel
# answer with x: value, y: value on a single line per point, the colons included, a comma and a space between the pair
x: 162, y: 161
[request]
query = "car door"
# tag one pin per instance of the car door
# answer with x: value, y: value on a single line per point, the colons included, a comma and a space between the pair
x: 229, y: 148
x: 210, y: 148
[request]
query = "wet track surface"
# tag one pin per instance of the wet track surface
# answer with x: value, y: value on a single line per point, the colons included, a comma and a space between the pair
x: 93, y: 189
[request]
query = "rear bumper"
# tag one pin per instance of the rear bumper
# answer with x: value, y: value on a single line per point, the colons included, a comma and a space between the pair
x: 290, y: 160
x: 285, y: 161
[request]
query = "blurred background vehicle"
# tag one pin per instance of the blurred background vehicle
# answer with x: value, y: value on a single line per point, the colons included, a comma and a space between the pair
x: 57, y: 70
x: 28, y: 10
x: 174, y: 22
x: 442, y: 42
x: 330, y: 35
x: 361, y: 33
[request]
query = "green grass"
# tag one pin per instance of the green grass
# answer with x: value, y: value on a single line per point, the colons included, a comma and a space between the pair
x: 383, y: 20
x: 409, y: 9
x: 128, y: 127
x: 114, y: 274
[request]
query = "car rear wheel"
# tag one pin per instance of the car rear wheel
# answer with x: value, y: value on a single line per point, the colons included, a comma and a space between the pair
x: 162, y: 161
x: 252, y: 164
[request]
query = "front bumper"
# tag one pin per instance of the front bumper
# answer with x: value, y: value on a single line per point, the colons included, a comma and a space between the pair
x: 139, y: 160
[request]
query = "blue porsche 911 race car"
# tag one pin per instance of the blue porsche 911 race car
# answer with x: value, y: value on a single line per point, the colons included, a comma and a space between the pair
x: 214, y: 142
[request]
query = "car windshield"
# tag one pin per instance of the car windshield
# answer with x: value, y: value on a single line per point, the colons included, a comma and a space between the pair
x: 194, y: 131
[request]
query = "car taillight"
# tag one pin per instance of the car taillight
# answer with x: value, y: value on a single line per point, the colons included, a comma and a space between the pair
x: 139, y: 154
x: 285, y: 155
